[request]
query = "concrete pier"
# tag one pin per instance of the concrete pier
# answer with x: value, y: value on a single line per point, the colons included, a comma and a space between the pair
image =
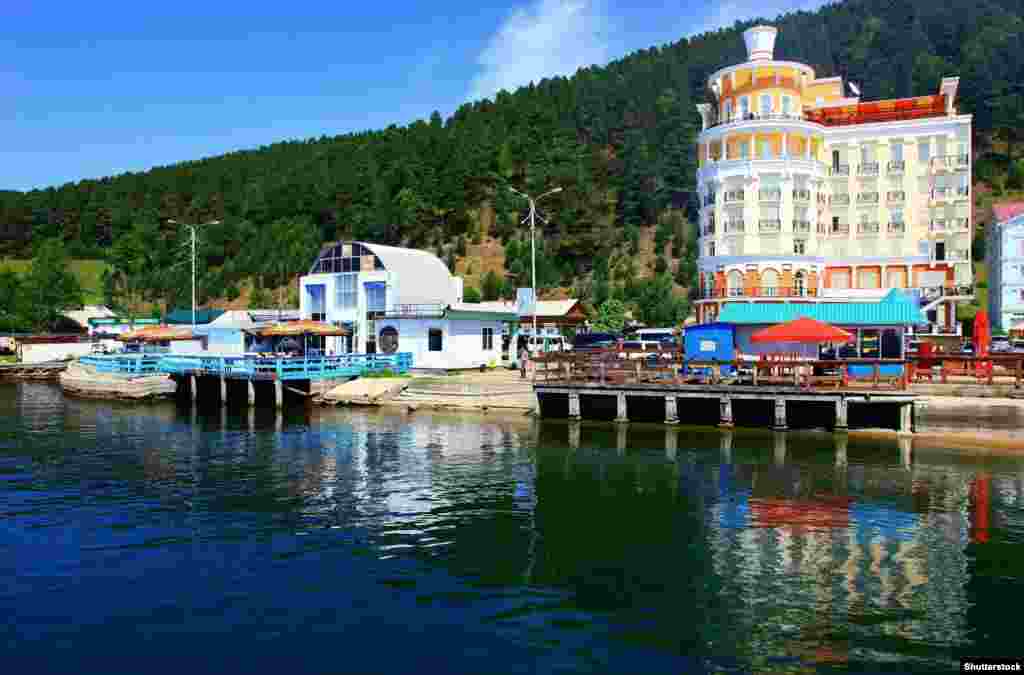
x: 725, y: 413
x: 671, y: 411
x: 780, y: 414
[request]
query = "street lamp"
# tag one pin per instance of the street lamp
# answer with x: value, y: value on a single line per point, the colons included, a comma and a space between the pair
x: 533, y: 242
x: 192, y: 229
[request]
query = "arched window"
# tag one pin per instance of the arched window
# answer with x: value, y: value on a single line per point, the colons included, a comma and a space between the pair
x: 388, y: 340
x: 799, y: 281
x: 735, y: 280
x: 770, y: 282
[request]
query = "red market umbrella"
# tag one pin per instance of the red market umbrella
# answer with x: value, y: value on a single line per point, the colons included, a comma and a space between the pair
x: 803, y: 329
x: 982, y: 334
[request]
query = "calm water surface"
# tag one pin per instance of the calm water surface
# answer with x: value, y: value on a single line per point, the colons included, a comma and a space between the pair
x: 150, y: 538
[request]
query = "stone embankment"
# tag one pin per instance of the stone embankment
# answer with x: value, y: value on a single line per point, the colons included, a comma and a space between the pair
x: 84, y: 381
x: 495, y: 389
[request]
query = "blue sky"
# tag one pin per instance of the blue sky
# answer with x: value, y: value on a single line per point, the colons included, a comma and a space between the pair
x: 89, y: 89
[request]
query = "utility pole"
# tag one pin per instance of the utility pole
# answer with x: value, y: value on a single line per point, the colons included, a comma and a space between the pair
x: 192, y: 230
x: 532, y: 217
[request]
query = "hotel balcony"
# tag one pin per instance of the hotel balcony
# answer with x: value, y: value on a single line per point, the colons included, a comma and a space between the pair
x: 802, y: 226
x: 755, y: 116
x: 868, y: 169
x: 735, y: 227
x: 732, y: 196
x: 801, y: 195
x: 839, y: 200
x: 769, y: 226
x: 950, y: 162
x: 822, y: 198
x: 769, y: 195
x: 839, y: 170
x: 867, y: 228
x: 867, y: 197
x: 897, y: 228
x: 941, y: 194
x: 758, y: 292
x: 895, y: 196
x: 839, y: 230
x: 963, y: 191
x: 822, y: 228
x: 937, y: 225
x: 896, y: 166
x: 961, y: 224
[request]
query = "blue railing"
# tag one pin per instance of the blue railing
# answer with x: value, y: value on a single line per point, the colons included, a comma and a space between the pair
x: 124, y: 364
x: 299, y: 368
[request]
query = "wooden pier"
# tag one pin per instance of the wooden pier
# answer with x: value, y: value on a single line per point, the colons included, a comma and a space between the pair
x: 664, y: 387
x: 50, y: 370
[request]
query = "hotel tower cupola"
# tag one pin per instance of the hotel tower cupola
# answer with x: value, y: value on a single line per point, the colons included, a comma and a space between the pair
x: 760, y: 41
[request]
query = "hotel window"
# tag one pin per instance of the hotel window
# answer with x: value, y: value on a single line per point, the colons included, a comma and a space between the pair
x: 786, y: 105
x: 867, y: 154
x: 896, y: 216
x: 924, y: 150
x: 488, y: 335
x: 711, y: 249
x: 896, y: 150
x: 435, y: 340
x: 894, y: 279
x: 940, y: 146
x: 766, y: 149
x: 1020, y: 247
x: 375, y: 297
x: 728, y: 109
x: 766, y: 104
x: 744, y: 107
x: 744, y: 149
x: 841, y: 280
x: 346, y: 291
x: 799, y: 246
x: 819, y: 101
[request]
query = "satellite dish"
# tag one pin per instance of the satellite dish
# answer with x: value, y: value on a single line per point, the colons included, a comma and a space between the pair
x: 855, y: 89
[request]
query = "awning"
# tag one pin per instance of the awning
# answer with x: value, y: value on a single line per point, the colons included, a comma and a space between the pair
x: 804, y: 330
x: 157, y: 334
x: 304, y: 327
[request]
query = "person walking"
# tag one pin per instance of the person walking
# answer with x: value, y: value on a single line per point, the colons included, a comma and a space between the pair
x: 524, y: 356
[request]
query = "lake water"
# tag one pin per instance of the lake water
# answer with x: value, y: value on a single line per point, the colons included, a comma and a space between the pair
x: 150, y: 538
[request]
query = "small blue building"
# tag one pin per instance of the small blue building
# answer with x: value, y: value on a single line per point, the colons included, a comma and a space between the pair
x: 711, y: 342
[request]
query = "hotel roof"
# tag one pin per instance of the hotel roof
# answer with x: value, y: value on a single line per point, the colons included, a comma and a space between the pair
x: 896, y: 309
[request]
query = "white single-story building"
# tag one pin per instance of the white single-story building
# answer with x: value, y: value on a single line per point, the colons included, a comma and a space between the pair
x: 462, y: 335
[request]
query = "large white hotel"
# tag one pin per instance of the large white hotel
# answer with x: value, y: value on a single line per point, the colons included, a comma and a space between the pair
x: 809, y: 194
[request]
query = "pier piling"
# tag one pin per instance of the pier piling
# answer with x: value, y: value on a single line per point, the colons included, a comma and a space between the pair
x: 725, y: 414
x: 780, y: 448
x: 251, y: 390
x: 906, y: 418
x: 574, y: 406
x: 278, y: 394
x: 193, y: 387
x: 621, y: 414
x: 725, y: 447
x: 671, y: 410
x: 780, y: 414
x: 223, y: 390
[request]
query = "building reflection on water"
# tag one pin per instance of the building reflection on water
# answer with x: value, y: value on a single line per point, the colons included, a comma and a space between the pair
x: 827, y: 549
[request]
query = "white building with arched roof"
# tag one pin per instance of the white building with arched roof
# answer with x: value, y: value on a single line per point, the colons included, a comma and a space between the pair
x: 404, y: 300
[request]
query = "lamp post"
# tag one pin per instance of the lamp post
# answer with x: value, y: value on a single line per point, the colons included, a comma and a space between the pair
x: 192, y: 229
x: 532, y: 217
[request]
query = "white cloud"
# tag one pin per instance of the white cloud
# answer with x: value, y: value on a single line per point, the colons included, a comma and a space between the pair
x: 548, y: 38
x: 728, y: 12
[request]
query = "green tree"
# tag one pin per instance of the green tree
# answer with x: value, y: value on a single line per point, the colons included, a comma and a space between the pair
x: 611, y: 317
x: 260, y: 298
x: 492, y: 286
x: 470, y: 294
x: 50, y: 287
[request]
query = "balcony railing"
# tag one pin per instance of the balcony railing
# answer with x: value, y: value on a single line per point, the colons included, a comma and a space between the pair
x: 839, y: 170
x: 410, y: 311
x: 839, y: 230
x: 801, y: 195
x: 867, y: 228
x: 759, y: 292
x: 769, y: 226
x: 950, y: 162
x: 897, y: 228
x: 896, y: 166
x: 868, y: 169
x: 839, y: 200
x: 769, y: 195
x: 867, y: 197
x: 940, y: 193
x: 963, y: 161
x: 822, y: 198
x: 963, y: 191
x: 961, y: 224
x: 778, y: 116
x: 802, y: 226
x: 895, y: 196
x: 735, y: 226
x: 937, y: 225
x: 733, y: 196
x: 822, y: 228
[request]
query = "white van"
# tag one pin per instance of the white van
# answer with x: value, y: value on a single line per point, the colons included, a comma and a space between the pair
x: 555, y: 343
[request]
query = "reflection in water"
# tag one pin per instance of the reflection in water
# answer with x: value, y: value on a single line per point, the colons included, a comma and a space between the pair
x: 617, y: 548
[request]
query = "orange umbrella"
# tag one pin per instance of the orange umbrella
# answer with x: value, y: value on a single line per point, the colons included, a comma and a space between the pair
x: 157, y: 334
x: 304, y: 327
x: 803, y: 329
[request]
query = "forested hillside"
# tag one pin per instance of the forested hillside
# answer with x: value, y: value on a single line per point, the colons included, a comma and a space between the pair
x: 619, y: 139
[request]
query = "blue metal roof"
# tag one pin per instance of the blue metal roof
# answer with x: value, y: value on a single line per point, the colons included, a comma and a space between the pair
x: 895, y: 310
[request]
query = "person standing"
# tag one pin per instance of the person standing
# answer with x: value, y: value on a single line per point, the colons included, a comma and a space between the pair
x: 524, y: 356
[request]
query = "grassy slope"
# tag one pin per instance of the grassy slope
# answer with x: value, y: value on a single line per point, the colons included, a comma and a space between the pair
x: 89, y: 273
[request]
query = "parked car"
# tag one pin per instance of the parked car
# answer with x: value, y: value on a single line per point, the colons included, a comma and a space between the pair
x: 594, y: 341
x: 551, y: 343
